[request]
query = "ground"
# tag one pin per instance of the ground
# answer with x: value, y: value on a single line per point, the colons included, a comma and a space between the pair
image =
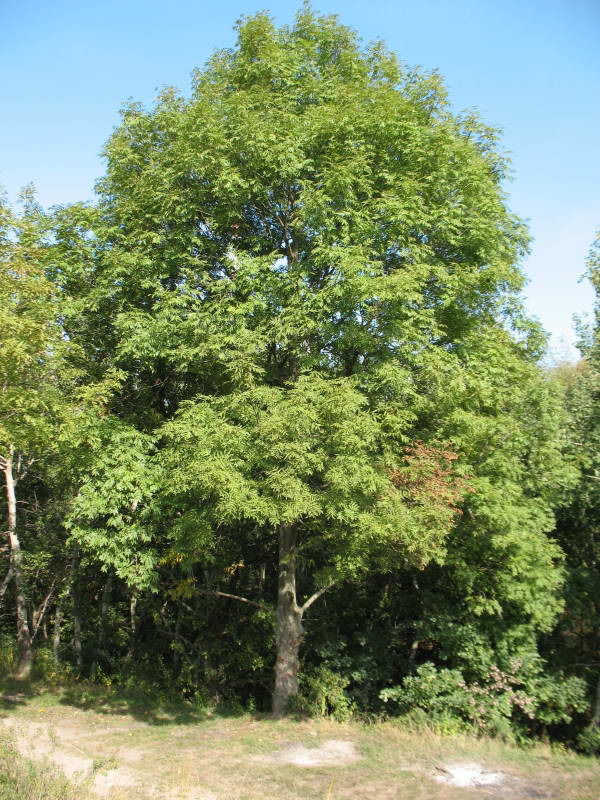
x: 112, y: 747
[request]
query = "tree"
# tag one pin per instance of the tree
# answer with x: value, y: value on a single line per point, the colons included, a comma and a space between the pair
x: 292, y: 266
x: 577, y: 641
x: 32, y: 395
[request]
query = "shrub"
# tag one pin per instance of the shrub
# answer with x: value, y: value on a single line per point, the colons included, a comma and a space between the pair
x: 589, y: 740
x: 500, y: 705
x: 322, y: 694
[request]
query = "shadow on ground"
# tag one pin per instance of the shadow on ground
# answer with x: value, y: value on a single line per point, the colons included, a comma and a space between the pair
x: 86, y: 696
x: 17, y: 693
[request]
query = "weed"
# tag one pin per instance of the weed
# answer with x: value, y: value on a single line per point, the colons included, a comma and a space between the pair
x: 104, y: 764
x: 22, y: 779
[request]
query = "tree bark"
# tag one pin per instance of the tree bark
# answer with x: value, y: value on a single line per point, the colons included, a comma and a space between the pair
x: 75, y: 598
x: 596, y: 714
x: 106, y: 590
x: 56, y: 631
x: 40, y: 614
x: 24, y: 645
x: 77, y: 638
x: 176, y: 658
x: 289, y: 624
x: 7, y: 579
x: 133, y: 600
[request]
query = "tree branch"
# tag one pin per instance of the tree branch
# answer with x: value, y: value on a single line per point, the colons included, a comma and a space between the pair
x: 22, y: 470
x: 178, y: 636
x: 6, y: 581
x: 235, y: 597
x: 314, y: 597
x: 43, y: 610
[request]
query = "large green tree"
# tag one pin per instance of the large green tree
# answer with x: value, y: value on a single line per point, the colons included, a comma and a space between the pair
x: 290, y: 269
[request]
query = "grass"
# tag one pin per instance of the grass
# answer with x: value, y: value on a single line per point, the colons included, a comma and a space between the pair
x: 24, y: 779
x: 130, y: 747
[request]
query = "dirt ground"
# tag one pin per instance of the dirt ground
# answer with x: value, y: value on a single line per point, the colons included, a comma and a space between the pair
x: 123, y: 753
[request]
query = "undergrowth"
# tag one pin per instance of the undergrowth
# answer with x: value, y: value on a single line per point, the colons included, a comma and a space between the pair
x: 22, y: 779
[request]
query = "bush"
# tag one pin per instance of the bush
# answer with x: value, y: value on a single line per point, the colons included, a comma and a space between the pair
x: 322, y: 694
x: 588, y: 740
x: 500, y: 705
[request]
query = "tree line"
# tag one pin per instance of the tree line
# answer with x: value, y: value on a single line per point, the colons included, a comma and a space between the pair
x: 273, y: 426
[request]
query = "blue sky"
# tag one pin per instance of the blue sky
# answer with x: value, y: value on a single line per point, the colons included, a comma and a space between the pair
x: 531, y: 67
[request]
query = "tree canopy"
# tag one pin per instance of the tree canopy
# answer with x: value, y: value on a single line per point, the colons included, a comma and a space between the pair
x: 314, y: 393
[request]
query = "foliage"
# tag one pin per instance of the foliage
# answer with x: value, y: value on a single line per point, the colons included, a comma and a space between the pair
x: 588, y: 740
x: 576, y: 643
x: 30, y: 338
x: 489, y: 706
x: 295, y: 306
x: 323, y: 694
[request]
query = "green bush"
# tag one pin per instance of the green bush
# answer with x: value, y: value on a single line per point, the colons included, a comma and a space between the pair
x: 501, y: 705
x: 322, y: 694
x: 588, y: 740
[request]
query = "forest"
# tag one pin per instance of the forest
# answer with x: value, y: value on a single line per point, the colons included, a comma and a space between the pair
x: 276, y: 430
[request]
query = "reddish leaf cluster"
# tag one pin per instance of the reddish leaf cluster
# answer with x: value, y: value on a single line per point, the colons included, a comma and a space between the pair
x: 428, y: 476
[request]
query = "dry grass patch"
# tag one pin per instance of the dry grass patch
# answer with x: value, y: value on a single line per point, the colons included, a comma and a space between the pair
x: 182, y: 755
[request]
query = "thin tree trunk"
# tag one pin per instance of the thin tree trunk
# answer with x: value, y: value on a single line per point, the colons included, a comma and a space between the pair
x: 596, y: 716
x: 413, y: 651
x: 77, y: 638
x: 106, y: 589
x: 289, y: 624
x: 39, y: 615
x: 76, y: 614
x: 56, y: 631
x: 132, y: 625
x: 176, y: 635
x: 24, y: 646
x: 416, y: 642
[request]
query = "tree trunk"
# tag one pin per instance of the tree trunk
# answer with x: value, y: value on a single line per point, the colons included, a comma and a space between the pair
x: 133, y: 600
x: 106, y: 590
x: 75, y: 599
x: 413, y: 651
x: 596, y: 715
x: 56, y: 631
x: 289, y: 624
x: 262, y: 576
x: 77, y: 638
x: 176, y: 658
x: 24, y: 646
x: 39, y: 614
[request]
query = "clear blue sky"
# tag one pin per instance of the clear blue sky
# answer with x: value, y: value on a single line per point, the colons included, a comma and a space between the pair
x: 531, y: 67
